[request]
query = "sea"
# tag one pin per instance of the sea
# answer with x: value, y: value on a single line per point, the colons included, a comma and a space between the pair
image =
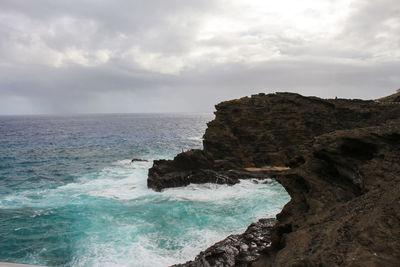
x: 70, y: 195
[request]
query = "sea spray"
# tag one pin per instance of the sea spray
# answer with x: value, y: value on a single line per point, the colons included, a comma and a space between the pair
x: 104, y: 214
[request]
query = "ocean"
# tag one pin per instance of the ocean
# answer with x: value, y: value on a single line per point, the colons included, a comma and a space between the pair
x: 70, y: 196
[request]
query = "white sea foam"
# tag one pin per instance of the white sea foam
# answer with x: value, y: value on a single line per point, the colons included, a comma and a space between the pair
x: 144, y: 252
x: 125, y: 180
x: 195, y: 138
x: 115, y: 237
x: 216, y: 192
x: 118, y: 181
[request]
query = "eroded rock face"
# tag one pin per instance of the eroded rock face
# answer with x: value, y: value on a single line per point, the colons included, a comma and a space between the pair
x: 395, y: 98
x: 344, y: 182
x: 275, y: 129
x: 195, y: 166
x: 236, y: 250
x: 345, y: 207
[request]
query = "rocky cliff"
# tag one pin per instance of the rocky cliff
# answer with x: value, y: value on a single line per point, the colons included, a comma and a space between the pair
x: 277, y: 129
x: 344, y: 176
x: 395, y: 98
x: 345, y: 207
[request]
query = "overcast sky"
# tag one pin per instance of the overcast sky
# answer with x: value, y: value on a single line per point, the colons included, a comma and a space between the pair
x: 84, y: 56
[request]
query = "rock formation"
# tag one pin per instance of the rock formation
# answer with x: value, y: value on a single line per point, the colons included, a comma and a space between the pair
x: 344, y: 180
x: 345, y: 203
x: 236, y: 250
x: 275, y: 129
x: 394, y: 98
x: 195, y: 166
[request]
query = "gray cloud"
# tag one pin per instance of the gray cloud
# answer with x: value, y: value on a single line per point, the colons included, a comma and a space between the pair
x: 166, y: 56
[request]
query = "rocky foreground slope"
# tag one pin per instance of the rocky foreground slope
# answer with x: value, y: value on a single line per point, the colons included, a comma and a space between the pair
x: 344, y: 178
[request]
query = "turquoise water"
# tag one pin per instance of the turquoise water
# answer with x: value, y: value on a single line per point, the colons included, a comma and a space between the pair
x: 69, y: 195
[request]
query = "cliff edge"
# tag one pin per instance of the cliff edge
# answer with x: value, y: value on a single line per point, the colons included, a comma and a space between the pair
x: 345, y: 203
x: 342, y: 173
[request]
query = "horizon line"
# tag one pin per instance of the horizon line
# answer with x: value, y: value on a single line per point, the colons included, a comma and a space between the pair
x: 103, y: 113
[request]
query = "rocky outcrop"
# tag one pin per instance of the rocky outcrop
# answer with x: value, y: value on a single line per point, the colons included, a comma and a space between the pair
x: 344, y: 179
x: 138, y: 160
x: 236, y: 250
x: 345, y: 207
x: 277, y: 129
x: 261, y: 130
x: 195, y: 166
x: 394, y: 98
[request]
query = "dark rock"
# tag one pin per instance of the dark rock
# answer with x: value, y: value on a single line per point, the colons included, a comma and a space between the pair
x: 194, y: 166
x: 345, y: 206
x: 136, y: 159
x: 236, y: 250
x: 344, y: 182
x: 179, y: 177
x: 278, y: 129
x: 275, y: 129
x: 186, y: 161
x: 394, y: 98
x: 183, y: 178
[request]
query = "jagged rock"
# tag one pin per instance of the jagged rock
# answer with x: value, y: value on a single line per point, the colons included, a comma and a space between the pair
x: 236, y: 250
x: 179, y: 177
x: 278, y: 129
x: 186, y: 167
x: 274, y: 129
x: 138, y: 160
x: 195, y: 166
x: 394, y: 98
x: 183, y: 178
x: 345, y: 207
x: 344, y: 180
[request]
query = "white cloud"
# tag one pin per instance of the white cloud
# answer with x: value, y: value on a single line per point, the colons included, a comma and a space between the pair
x: 103, y: 55
x: 157, y: 62
x: 147, y: 46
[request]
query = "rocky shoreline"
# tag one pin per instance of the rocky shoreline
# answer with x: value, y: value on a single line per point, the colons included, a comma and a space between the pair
x: 236, y: 250
x: 339, y: 161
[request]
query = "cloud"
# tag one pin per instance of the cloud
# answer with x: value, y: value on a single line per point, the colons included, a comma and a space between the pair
x: 157, y: 56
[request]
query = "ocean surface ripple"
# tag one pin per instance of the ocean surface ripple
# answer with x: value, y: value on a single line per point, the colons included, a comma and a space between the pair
x: 70, y: 196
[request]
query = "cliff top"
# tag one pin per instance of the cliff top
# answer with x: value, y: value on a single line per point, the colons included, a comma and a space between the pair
x: 392, y: 98
x: 289, y: 95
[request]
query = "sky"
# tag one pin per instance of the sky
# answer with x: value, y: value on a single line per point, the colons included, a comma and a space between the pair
x: 123, y: 56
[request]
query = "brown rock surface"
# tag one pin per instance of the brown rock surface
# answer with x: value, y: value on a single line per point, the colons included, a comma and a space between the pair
x: 236, y: 250
x: 276, y: 129
x: 345, y: 207
x: 194, y: 166
x: 344, y: 179
x: 264, y: 130
x: 392, y: 98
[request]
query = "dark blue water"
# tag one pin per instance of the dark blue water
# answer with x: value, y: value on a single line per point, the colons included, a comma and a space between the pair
x: 69, y: 195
